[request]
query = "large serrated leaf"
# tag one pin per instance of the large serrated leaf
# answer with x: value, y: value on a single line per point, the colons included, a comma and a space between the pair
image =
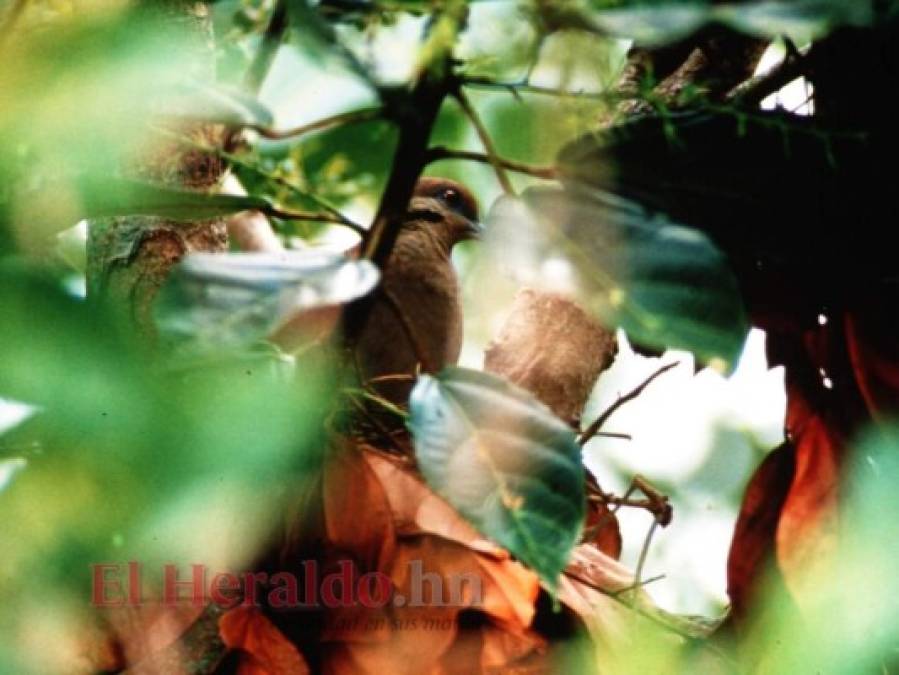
x: 225, y: 301
x: 504, y: 461
x: 666, y: 285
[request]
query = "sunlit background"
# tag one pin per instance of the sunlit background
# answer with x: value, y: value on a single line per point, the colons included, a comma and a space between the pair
x: 695, y: 436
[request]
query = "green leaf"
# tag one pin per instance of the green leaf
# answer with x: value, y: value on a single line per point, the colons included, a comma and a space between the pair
x: 657, y: 23
x: 653, y: 24
x: 504, y: 461
x: 119, y: 197
x: 213, y: 302
x: 806, y: 18
x: 130, y: 460
x: 666, y: 285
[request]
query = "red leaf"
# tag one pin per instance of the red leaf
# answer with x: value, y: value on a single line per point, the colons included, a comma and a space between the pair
x: 752, y: 550
x: 874, y: 351
x: 266, y: 650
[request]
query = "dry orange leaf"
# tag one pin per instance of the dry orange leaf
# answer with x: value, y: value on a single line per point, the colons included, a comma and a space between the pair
x: 265, y: 649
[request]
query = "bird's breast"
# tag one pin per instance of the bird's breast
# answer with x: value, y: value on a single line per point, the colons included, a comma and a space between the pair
x: 425, y: 290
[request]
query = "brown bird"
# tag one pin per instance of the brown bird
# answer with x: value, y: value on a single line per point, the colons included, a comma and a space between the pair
x: 416, y: 319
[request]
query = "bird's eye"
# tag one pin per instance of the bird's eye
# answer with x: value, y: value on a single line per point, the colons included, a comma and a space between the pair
x: 451, y: 196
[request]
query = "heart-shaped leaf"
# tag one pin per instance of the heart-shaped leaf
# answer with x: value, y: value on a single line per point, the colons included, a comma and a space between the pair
x: 504, y: 461
x: 666, y: 285
x: 215, y: 301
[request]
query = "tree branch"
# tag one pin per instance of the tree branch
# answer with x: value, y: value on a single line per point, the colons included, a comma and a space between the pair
x: 592, y: 430
x: 351, y: 117
x: 438, y: 153
x: 415, y: 114
x: 754, y: 90
x: 486, y: 141
x: 516, y: 88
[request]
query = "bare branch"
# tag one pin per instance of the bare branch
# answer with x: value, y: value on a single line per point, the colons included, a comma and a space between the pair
x: 312, y: 216
x: 516, y: 88
x: 754, y: 90
x: 438, y: 153
x: 486, y: 141
x: 642, y: 560
x: 350, y: 117
x: 592, y: 430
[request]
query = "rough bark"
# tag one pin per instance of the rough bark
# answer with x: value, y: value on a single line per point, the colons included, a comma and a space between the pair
x: 552, y: 348
x: 128, y: 258
x: 710, y: 63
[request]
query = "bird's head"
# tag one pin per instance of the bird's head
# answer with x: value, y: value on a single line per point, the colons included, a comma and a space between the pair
x: 445, y: 206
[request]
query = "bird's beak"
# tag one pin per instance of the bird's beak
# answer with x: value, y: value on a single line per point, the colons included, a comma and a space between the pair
x: 473, y: 229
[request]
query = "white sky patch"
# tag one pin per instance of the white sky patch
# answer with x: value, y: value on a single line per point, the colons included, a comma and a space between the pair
x: 797, y: 96
x: 293, y: 106
x: 704, y: 434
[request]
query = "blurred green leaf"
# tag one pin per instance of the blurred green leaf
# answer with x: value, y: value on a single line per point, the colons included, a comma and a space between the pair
x: 505, y: 461
x: 81, y: 89
x: 129, y: 460
x: 657, y: 23
x: 213, y: 302
x: 806, y: 18
x: 119, y: 197
x: 653, y: 24
x: 666, y: 285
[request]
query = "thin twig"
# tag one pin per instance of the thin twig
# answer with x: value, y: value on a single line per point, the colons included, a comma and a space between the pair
x: 655, y: 502
x: 642, y: 560
x: 516, y: 88
x: 329, y: 214
x: 486, y: 141
x: 384, y: 379
x: 615, y: 434
x: 594, y: 428
x: 438, y: 153
x: 642, y: 584
x: 385, y: 404
x: 659, y: 617
x: 313, y: 216
x: 350, y: 117
x: 618, y: 502
x: 754, y: 90
x: 376, y: 423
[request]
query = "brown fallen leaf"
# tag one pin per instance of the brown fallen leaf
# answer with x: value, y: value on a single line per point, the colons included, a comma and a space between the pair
x: 264, y: 649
